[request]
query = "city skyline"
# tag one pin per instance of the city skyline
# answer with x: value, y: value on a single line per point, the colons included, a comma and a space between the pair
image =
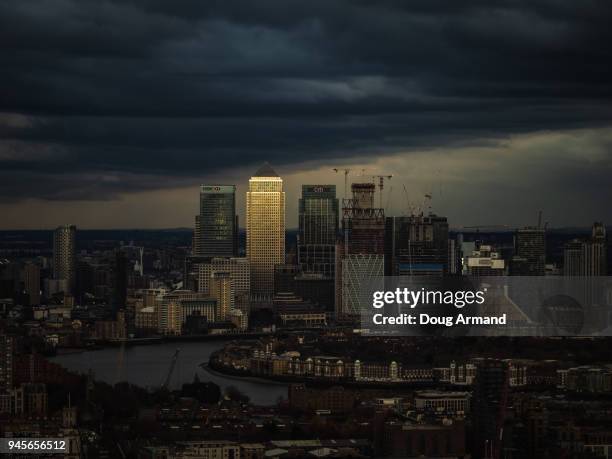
x: 287, y: 228
x: 397, y: 201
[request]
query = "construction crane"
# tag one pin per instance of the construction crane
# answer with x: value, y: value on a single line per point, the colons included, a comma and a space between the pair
x: 381, y: 184
x: 171, y: 369
x: 346, y: 173
x: 409, y: 209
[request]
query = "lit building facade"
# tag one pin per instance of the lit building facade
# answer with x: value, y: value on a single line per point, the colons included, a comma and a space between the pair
x: 240, y: 274
x: 265, y: 215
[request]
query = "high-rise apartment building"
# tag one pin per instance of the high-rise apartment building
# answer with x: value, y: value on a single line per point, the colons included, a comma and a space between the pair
x: 216, y: 231
x: 222, y: 291
x: 64, y: 255
x: 318, y: 229
x: 530, y: 252
x: 265, y: 215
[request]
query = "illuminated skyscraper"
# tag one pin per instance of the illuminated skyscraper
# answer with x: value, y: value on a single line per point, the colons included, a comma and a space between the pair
x: 265, y: 215
x: 64, y: 254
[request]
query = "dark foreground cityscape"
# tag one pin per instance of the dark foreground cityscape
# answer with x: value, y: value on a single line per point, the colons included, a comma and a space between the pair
x: 281, y: 229
x: 203, y: 344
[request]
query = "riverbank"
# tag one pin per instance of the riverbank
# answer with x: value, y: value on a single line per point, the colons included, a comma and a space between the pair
x: 178, y: 339
x: 246, y: 375
x: 206, y: 367
x: 148, y: 366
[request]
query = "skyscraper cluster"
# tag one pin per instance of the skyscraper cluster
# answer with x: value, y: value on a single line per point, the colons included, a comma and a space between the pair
x: 339, y: 246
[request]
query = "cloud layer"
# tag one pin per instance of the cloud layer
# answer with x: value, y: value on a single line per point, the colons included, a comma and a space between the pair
x: 104, y: 99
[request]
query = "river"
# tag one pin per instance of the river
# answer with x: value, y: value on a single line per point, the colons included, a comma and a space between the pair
x: 148, y: 365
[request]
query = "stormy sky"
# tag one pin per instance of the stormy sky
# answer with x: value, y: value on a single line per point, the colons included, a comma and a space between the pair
x: 113, y: 112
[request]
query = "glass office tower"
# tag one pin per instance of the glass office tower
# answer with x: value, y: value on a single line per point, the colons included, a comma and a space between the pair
x: 216, y: 226
x: 318, y: 228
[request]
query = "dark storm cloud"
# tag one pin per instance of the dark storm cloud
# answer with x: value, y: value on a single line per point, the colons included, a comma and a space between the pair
x: 103, y: 97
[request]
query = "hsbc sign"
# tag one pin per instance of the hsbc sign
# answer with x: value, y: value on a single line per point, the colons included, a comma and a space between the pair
x: 218, y: 188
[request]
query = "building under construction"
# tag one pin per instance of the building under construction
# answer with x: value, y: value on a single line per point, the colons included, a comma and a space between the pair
x: 416, y: 245
x: 361, y: 250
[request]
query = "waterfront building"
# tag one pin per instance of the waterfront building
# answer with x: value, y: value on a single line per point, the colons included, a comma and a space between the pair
x: 457, y: 403
x: 170, y: 317
x: 145, y: 319
x: 265, y: 215
x: 204, y: 308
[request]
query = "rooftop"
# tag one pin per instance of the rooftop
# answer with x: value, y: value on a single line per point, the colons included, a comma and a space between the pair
x: 265, y: 171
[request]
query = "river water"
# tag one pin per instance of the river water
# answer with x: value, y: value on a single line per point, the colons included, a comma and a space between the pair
x: 148, y: 365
